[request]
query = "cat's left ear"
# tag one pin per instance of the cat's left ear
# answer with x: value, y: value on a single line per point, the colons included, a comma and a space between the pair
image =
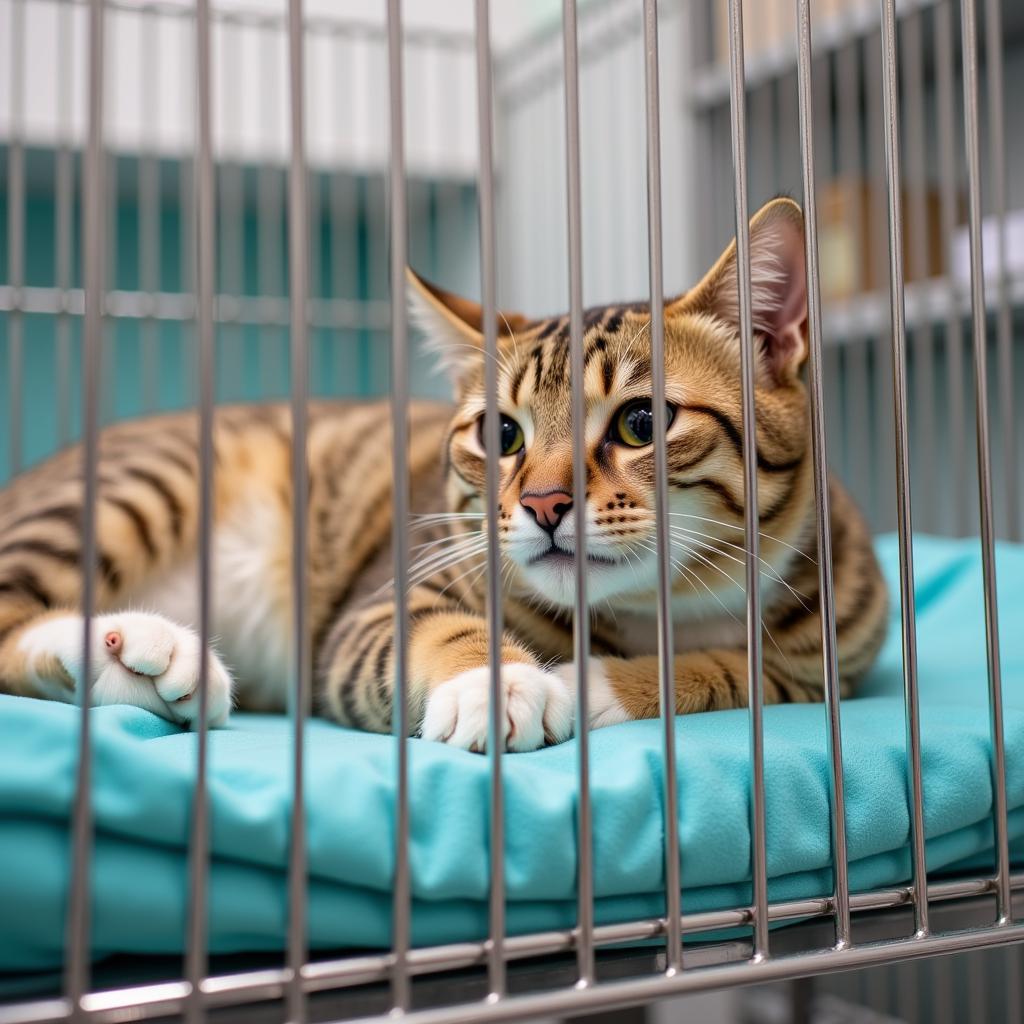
x: 778, y: 288
x: 453, y: 326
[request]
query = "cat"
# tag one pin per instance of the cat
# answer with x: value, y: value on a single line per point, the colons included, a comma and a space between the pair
x: 145, y: 648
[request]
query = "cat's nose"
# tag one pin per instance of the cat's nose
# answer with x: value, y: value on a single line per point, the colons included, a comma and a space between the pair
x: 548, y: 508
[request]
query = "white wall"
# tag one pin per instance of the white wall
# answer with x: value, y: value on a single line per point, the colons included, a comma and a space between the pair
x: 150, y: 77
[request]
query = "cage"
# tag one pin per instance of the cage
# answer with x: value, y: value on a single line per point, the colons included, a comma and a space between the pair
x: 209, y: 204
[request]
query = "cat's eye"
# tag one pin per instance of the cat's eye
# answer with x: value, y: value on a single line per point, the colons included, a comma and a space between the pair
x: 510, y: 433
x: 634, y: 423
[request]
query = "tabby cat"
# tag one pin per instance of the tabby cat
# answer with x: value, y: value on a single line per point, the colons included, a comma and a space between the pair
x: 146, y: 649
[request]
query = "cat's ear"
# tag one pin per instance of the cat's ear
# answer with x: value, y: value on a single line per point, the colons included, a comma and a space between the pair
x: 778, y: 288
x: 453, y: 326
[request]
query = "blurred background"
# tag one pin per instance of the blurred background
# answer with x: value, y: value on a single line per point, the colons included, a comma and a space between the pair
x: 149, y: 133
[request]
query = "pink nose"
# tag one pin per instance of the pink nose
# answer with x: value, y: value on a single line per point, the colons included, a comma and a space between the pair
x: 548, y: 509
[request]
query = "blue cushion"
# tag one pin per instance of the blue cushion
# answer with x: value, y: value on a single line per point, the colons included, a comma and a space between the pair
x: 144, y: 769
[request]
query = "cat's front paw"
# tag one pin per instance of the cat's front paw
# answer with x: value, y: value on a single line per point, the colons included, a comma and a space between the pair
x: 137, y: 658
x: 538, y: 708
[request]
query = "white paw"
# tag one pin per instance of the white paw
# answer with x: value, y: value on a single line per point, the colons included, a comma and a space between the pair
x: 137, y: 658
x: 537, y: 706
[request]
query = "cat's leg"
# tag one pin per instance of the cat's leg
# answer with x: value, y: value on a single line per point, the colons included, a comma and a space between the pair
x: 623, y: 689
x: 146, y: 516
x: 448, y: 678
x: 136, y: 658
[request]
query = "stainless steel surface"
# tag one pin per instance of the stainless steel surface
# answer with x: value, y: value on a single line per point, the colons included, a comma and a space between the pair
x: 299, y: 693
x: 666, y: 660
x: 64, y: 184
x: 79, y: 914
x: 147, y: 1001
x: 581, y: 611
x: 401, y: 893
x: 894, y: 183
x: 492, y: 431
x: 196, y: 954
x: 994, y: 76
x: 16, y: 232
x: 751, y: 518
x: 819, y: 454
x: 149, y: 219
x: 922, y: 343
x: 988, y: 553
x: 948, y: 193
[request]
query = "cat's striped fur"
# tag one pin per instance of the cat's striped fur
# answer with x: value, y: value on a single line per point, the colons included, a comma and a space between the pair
x: 147, y: 518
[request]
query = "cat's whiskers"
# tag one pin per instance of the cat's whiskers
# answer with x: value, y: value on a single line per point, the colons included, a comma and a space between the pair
x: 478, y: 567
x: 447, y: 539
x: 684, y: 536
x: 740, y: 529
x: 436, y: 562
x: 764, y: 628
x: 511, y: 334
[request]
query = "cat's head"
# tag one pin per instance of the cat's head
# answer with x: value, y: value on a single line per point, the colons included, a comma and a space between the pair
x: 704, y: 440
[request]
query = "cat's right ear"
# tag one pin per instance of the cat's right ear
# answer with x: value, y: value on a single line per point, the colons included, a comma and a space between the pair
x: 453, y: 326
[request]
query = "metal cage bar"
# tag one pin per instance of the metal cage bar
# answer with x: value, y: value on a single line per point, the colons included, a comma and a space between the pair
x: 196, y: 957
x: 946, y: 131
x: 751, y: 519
x: 16, y: 231
x: 903, y: 501
x: 822, y: 500
x: 1004, y: 324
x: 79, y: 918
x: 492, y: 430
x: 401, y: 885
x: 666, y: 660
x: 64, y: 189
x: 298, y: 266
x: 988, y: 552
x: 581, y: 610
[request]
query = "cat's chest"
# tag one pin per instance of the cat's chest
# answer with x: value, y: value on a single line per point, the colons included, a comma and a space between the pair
x: 637, y: 633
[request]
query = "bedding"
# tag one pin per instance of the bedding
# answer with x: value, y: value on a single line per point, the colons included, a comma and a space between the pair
x: 144, y: 767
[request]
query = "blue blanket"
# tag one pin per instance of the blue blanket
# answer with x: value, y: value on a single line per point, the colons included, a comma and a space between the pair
x: 144, y: 769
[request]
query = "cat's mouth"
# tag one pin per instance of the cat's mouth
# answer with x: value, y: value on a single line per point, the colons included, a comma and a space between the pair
x: 562, y: 556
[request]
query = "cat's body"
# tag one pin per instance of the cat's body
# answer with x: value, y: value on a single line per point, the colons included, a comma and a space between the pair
x: 144, y: 645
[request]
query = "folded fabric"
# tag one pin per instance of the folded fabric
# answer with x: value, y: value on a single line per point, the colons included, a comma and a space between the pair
x: 144, y: 770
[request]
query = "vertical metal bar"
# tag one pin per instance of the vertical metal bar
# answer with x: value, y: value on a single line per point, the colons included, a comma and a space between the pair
x: 65, y: 174
x: 884, y: 428
x: 703, y: 152
x: 581, y: 615
x: 400, y: 888
x: 149, y: 209
x: 232, y: 212
x: 666, y: 660
x: 16, y: 231
x: 94, y: 254
x: 186, y: 223
x: 903, y: 502
x: 268, y: 227
x: 298, y: 256
x: 1004, y: 332
x: 492, y: 435
x: 197, y: 957
x: 946, y: 120
x: 988, y: 553
x: 823, y: 505
x: 914, y: 148
x: 751, y: 521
